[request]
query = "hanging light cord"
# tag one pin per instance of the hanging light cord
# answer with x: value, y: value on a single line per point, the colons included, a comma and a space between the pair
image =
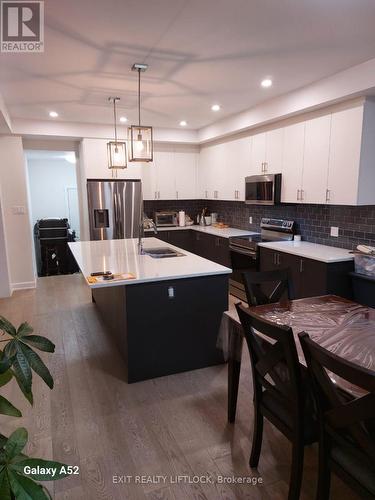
x: 115, y: 118
x: 139, y: 97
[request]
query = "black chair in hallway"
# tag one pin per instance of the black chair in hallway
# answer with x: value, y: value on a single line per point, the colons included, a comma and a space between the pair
x: 280, y: 391
x: 347, y: 424
x: 279, y: 282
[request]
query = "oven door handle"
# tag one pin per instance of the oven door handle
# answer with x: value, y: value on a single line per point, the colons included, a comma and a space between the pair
x: 243, y: 251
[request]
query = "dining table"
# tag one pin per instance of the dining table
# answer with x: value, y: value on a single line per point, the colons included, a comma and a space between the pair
x: 342, y: 326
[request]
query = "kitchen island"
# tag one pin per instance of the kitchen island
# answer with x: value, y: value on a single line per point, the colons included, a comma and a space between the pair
x: 166, y: 318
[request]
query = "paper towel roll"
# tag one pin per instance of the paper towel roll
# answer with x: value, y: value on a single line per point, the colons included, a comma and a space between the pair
x: 181, y: 218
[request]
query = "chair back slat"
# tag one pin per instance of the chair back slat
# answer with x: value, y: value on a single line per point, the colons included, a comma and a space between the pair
x: 274, y: 358
x: 349, y: 421
x: 255, y: 282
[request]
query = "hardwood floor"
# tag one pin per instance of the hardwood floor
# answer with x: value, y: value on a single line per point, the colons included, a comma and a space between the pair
x: 169, y: 426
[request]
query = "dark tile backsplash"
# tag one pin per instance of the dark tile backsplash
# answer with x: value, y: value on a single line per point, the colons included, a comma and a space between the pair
x: 357, y: 224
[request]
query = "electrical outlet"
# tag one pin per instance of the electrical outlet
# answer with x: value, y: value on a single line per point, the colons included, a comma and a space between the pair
x: 250, y: 220
x: 334, y: 231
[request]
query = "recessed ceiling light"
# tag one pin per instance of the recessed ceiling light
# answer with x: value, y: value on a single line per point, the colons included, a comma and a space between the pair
x: 267, y: 82
x: 53, y: 114
x: 123, y: 119
x: 183, y: 123
x: 215, y: 107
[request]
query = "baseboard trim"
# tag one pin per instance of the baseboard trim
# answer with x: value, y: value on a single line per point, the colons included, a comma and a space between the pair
x: 25, y: 285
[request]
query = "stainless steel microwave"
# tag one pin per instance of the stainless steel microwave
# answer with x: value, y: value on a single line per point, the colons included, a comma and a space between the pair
x: 166, y: 219
x: 263, y: 189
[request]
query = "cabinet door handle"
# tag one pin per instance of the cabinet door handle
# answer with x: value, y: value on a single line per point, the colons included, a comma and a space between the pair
x: 298, y: 194
x: 265, y: 166
x: 302, y: 194
x: 177, y: 195
x: 278, y: 259
x: 328, y: 195
x: 275, y: 258
x: 156, y: 195
x: 301, y: 266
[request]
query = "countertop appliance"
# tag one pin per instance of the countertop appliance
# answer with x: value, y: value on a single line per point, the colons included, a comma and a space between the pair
x: 115, y: 208
x: 168, y: 218
x: 263, y: 189
x: 244, y: 251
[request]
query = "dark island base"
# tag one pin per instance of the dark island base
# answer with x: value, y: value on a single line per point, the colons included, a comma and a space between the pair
x: 165, y: 327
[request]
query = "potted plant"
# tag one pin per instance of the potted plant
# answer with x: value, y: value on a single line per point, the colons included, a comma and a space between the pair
x: 18, y: 360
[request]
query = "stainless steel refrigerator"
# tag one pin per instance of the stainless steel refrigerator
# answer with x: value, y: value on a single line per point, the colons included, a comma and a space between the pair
x: 115, y: 208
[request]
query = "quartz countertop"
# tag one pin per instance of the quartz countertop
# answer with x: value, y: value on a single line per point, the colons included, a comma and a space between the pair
x: 227, y: 232
x: 122, y: 256
x: 309, y: 250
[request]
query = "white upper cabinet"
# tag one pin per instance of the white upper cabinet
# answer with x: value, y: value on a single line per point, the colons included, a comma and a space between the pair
x: 258, y: 153
x: 185, y: 168
x: 172, y: 175
x: 316, y: 158
x: 292, y: 163
x: 274, y: 151
x: 344, y: 157
x: 239, y: 166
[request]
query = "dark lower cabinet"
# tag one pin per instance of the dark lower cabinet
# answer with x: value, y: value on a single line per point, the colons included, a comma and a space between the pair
x: 205, y: 245
x: 310, y: 277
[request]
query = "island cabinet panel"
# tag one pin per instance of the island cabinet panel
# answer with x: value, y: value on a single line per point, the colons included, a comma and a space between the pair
x: 310, y: 277
x: 165, y: 327
x: 212, y: 247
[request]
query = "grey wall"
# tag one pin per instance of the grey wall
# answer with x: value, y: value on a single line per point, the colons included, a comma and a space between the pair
x: 357, y: 224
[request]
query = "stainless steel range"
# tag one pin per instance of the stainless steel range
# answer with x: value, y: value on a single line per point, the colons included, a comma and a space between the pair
x: 244, y: 250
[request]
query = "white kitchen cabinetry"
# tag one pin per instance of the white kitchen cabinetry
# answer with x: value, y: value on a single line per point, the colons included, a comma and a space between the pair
x: 292, y: 166
x: 258, y: 153
x: 239, y: 167
x: 316, y: 158
x: 171, y: 175
x: 274, y: 151
x: 345, y: 157
x: 185, y: 168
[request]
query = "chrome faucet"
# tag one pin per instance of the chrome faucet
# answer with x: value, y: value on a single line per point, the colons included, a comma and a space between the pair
x: 142, y: 232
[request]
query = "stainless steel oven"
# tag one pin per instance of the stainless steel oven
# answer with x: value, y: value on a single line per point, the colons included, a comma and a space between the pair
x: 244, y: 250
x: 263, y: 189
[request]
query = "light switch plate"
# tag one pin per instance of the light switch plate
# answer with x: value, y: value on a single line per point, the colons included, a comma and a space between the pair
x: 334, y: 231
x: 250, y: 220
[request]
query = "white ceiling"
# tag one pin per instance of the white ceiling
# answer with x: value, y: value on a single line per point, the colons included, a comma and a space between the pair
x: 199, y: 52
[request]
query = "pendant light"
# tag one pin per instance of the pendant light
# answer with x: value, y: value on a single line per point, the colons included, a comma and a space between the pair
x: 140, y: 136
x: 116, y: 150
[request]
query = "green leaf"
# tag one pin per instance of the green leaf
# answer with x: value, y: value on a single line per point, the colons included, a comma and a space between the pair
x: 7, y: 326
x: 41, y: 343
x: 24, y: 329
x: 5, y: 362
x: 5, y: 377
x: 22, y: 369
x: 3, y: 440
x: 16, y: 443
x: 6, y: 408
x: 25, y: 391
x: 37, y: 365
x: 5, y: 493
x: 46, y: 464
x: 24, y: 488
x: 10, y: 349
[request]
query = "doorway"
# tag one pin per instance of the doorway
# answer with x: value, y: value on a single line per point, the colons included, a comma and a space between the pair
x: 54, y: 209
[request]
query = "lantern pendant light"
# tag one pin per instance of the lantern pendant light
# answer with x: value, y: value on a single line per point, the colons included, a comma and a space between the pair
x: 140, y: 136
x: 116, y: 150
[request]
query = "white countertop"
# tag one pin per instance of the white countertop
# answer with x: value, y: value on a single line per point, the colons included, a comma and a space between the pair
x: 227, y: 232
x: 309, y: 250
x: 121, y: 256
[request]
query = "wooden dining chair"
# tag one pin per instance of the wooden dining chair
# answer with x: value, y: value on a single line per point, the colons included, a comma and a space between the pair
x: 280, y: 392
x: 279, y: 282
x: 347, y: 424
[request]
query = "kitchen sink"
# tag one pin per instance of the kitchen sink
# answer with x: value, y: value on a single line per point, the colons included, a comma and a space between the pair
x: 162, y: 252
